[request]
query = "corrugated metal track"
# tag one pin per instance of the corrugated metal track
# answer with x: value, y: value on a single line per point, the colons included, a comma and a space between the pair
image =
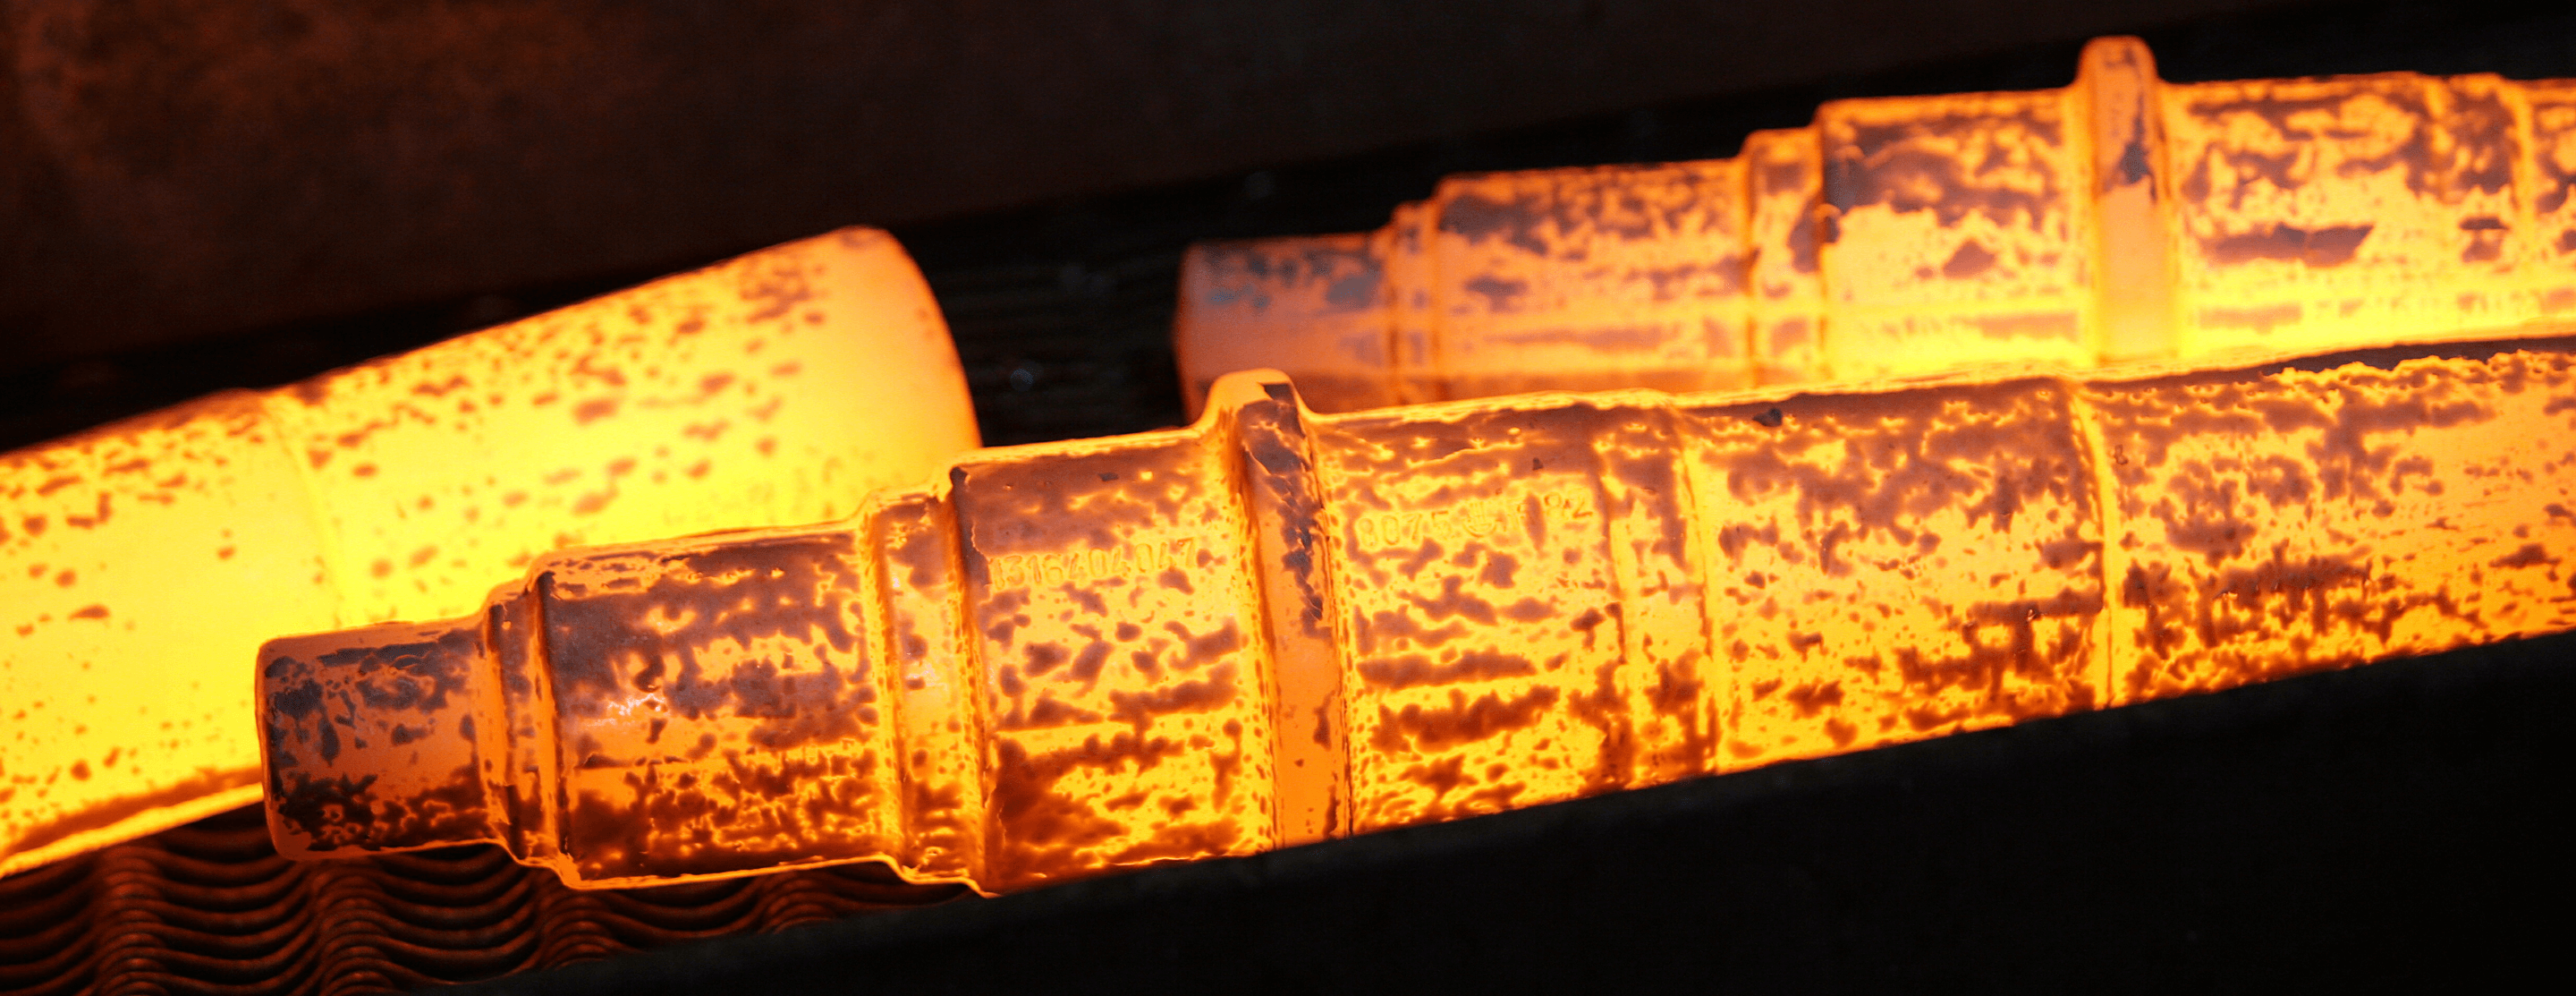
x: 211, y: 908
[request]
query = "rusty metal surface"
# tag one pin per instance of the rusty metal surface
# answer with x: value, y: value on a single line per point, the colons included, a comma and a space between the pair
x: 2384, y: 826
x: 2188, y: 844
x: 744, y: 393
x: 2118, y: 218
x: 1467, y: 608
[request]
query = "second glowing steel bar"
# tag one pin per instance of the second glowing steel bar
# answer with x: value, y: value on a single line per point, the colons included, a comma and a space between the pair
x: 1275, y: 626
x: 2118, y: 219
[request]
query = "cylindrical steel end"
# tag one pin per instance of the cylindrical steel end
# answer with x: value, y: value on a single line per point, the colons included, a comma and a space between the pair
x: 369, y: 738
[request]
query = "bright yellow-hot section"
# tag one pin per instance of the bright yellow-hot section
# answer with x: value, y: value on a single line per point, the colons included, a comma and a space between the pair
x: 2309, y: 213
x: 1277, y: 626
x: 1128, y: 706
x: 2353, y: 513
x: 2116, y: 220
x: 136, y: 557
x: 1476, y: 598
x: 141, y: 562
x: 1562, y: 266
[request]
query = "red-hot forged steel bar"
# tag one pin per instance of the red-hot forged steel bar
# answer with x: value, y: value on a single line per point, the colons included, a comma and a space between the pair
x: 2116, y: 220
x: 1275, y: 626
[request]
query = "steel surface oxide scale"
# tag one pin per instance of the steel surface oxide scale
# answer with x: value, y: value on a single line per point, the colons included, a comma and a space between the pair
x: 1274, y: 626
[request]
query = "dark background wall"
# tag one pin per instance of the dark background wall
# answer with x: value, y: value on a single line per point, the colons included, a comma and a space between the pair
x: 285, y: 186
x: 198, y: 194
x: 175, y: 167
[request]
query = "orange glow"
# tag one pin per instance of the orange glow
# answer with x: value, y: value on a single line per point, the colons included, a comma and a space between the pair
x: 1276, y: 626
x: 142, y: 561
x: 2119, y: 219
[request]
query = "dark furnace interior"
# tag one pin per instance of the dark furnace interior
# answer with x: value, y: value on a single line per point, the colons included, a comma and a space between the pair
x: 205, y: 194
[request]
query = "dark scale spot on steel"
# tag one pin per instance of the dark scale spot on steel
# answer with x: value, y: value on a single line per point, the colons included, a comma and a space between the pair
x: 798, y: 709
x: 2332, y: 245
x: 1453, y: 601
x: 797, y: 588
x: 298, y: 702
x: 2527, y: 555
x: 1051, y: 712
x: 1086, y: 665
x: 1041, y: 833
x: 1140, y: 709
x: 1062, y: 505
x: 1042, y: 658
x: 1604, y: 708
x: 1208, y: 647
x: 1890, y: 164
x: 1500, y: 295
x: 1477, y: 217
x: 1386, y: 629
x: 1409, y: 670
x: 1415, y: 728
x: 1971, y: 260
x: 1814, y: 697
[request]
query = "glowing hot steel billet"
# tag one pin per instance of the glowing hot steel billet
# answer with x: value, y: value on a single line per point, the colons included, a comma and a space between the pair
x: 2118, y: 219
x: 139, y: 562
x: 1275, y: 626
